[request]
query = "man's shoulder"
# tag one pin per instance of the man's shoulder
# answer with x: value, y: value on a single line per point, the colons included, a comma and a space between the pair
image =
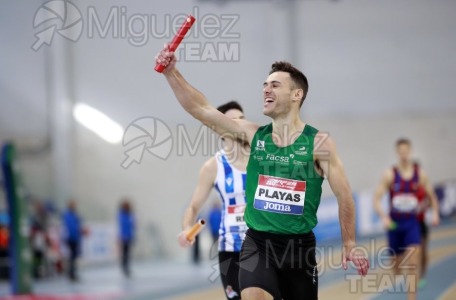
x: 389, y: 173
x: 311, y: 130
x: 265, y: 128
x: 210, y: 165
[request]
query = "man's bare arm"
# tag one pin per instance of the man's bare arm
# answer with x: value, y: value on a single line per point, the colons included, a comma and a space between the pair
x: 334, y: 171
x: 208, y: 173
x: 331, y: 164
x: 196, y: 104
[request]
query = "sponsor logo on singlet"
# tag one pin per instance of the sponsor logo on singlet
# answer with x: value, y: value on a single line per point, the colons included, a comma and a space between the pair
x: 258, y: 157
x: 280, y: 195
x: 301, y: 151
x: 278, y: 158
x: 235, y: 215
x: 259, y: 145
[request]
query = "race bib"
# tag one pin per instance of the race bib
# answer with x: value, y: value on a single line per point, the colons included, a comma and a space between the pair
x: 405, y: 203
x: 280, y: 195
x: 235, y: 215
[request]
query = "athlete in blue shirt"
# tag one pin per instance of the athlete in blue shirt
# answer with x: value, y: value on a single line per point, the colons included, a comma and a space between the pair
x: 73, y: 233
x: 127, y: 229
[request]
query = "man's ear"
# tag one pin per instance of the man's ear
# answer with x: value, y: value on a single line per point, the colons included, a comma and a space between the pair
x: 297, y: 94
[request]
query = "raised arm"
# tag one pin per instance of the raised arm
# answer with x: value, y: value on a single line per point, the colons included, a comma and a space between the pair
x: 432, y: 197
x: 329, y: 161
x: 206, y: 180
x: 196, y: 104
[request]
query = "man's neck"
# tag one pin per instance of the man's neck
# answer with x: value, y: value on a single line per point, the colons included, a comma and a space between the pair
x: 405, y: 165
x: 287, y: 129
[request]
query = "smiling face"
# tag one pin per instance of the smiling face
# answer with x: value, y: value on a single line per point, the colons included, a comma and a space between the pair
x: 280, y: 95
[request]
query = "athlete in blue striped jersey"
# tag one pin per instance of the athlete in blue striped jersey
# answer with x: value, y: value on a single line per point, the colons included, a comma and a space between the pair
x: 226, y: 172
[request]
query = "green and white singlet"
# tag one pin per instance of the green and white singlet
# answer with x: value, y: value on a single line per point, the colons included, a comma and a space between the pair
x: 283, y: 187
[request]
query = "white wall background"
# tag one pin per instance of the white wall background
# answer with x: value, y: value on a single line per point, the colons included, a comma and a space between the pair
x: 378, y: 70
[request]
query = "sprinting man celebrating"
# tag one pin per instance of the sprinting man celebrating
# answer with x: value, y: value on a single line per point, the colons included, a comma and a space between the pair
x: 287, y: 163
x: 403, y: 183
x: 226, y: 172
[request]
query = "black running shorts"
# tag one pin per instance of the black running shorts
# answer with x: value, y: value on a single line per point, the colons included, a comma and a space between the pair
x: 229, y: 273
x: 283, y: 265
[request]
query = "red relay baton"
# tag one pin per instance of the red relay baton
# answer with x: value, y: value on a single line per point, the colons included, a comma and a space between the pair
x: 178, y: 39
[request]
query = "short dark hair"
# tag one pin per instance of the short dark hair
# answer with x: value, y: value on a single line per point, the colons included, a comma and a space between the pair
x: 403, y: 141
x: 298, y: 78
x: 229, y: 105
